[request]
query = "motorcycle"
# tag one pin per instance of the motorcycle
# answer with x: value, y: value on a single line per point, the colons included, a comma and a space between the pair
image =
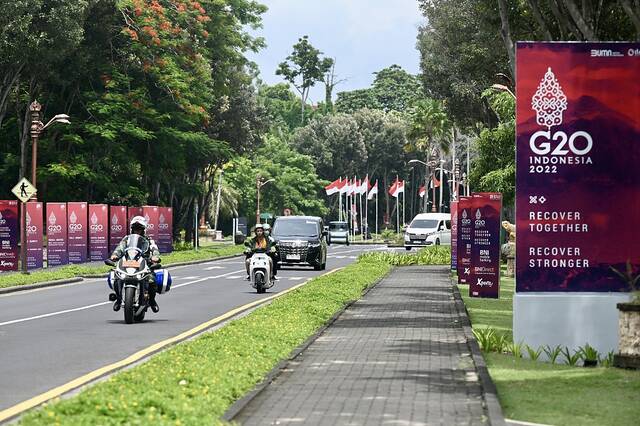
x: 130, y: 279
x: 260, y: 271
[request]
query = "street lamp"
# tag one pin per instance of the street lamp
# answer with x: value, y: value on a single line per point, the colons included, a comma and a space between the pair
x: 426, y: 178
x: 37, y: 127
x: 503, y: 88
x: 433, y: 162
x: 259, y: 184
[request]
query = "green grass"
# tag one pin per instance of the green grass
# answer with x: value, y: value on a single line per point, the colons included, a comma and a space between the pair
x: 70, y: 271
x: 562, y: 395
x: 194, y: 383
x: 551, y: 393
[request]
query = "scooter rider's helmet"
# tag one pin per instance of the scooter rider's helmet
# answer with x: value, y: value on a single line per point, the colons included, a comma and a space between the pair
x: 267, y: 229
x: 138, y: 223
x: 258, y: 226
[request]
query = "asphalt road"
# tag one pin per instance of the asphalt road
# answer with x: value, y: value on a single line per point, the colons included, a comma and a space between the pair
x: 51, y: 336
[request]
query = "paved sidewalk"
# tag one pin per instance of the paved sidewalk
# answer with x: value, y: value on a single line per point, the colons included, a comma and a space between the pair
x: 398, y: 356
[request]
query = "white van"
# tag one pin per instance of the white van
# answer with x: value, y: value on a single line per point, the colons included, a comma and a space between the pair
x: 427, y: 229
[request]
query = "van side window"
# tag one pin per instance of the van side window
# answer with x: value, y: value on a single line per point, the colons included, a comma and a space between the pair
x: 440, y: 226
x: 448, y: 223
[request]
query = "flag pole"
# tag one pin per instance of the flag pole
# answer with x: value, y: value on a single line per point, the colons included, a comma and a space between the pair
x: 404, y: 198
x: 376, y: 207
x: 397, y: 209
x: 340, y: 201
x: 366, y: 207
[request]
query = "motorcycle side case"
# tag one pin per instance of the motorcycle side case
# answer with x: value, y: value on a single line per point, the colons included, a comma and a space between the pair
x: 163, y: 280
x: 111, y: 279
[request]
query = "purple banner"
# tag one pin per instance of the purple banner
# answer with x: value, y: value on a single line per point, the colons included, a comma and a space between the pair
x: 454, y: 235
x: 484, y: 281
x: 577, y: 180
x: 165, y: 229
x: 464, y: 239
x: 98, y: 232
x: 9, y: 235
x: 34, y: 235
x: 117, y: 225
x: 150, y: 214
x: 57, y: 234
x: 77, y: 217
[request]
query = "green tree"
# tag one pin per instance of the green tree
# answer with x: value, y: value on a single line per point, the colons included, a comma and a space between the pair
x: 429, y: 127
x: 304, y: 68
x: 351, y: 101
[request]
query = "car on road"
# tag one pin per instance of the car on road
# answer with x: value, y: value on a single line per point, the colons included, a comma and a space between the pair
x: 301, y: 240
x: 428, y: 229
x: 338, y: 232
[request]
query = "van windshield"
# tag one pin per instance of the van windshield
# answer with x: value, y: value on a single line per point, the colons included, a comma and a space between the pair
x: 424, y: 223
x: 338, y: 226
x: 295, y: 228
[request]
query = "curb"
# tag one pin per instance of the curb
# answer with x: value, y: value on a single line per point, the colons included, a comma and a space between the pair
x: 83, y: 277
x: 241, y: 404
x: 490, y: 393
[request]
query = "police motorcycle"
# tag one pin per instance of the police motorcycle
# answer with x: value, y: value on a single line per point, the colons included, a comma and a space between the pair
x: 131, y: 277
x: 260, y: 271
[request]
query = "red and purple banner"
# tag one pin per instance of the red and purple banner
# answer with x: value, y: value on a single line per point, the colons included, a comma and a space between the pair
x: 117, y: 225
x: 98, y: 232
x: 578, y: 153
x: 78, y: 235
x: 486, y: 209
x: 151, y: 214
x: 165, y: 229
x: 454, y: 235
x: 57, y: 234
x: 34, y: 235
x: 9, y: 235
x: 465, y: 239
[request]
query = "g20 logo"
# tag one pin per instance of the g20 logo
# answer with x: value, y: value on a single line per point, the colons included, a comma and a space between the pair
x: 32, y: 229
x: 116, y: 228
x: 75, y: 227
x: 54, y: 229
x: 96, y: 228
x: 541, y: 143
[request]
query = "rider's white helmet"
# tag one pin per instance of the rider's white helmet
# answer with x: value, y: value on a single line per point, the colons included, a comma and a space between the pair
x: 138, y: 221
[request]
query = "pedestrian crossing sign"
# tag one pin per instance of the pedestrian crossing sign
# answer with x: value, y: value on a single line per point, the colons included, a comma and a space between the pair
x: 24, y: 190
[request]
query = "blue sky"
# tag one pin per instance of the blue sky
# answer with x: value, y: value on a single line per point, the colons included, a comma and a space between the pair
x: 363, y: 36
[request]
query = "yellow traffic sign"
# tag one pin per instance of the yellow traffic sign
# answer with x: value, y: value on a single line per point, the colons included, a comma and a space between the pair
x: 24, y: 190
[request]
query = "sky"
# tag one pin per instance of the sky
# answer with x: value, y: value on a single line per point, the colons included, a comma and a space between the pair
x: 363, y: 36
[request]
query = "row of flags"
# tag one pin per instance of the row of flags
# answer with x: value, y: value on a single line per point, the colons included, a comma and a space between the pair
x: 362, y: 187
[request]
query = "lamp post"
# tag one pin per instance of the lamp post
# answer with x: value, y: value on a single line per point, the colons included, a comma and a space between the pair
x: 37, y: 127
x: 426, y: 181
x: 433, y: 163
x: 456, y: 179
x: 503, y: 88
x: 259, y: 184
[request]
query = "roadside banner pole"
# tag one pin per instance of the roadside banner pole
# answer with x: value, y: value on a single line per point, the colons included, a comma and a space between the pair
x: 376, y: 210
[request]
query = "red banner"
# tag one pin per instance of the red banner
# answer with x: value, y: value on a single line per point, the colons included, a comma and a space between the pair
x: 150, y: 214
x: 9, y: 235
x: 57, y: 234
x: 486, y: 209
x: 98, y: 232
x: 577, y: 180
x: 465, y: 234
x: 165, y: 229
x: 454, y: 235
x: 117, y: 225
x: 78, y: 235
x: 34, y: 235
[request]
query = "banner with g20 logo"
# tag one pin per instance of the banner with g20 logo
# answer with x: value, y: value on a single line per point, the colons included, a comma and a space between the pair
x: 78, y: 232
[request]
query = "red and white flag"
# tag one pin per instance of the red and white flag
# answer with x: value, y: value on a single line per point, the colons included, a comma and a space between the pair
x: 396, y: 188
x: 373, y: 191
x: 422, y: 191
x: 344, y: 186
x: 332, y: 188
x: 434, y: 182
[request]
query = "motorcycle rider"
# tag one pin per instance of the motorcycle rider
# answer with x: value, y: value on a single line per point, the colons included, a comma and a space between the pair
x: 275, y: 256
x: 259, y: 242
x: 138, y: 226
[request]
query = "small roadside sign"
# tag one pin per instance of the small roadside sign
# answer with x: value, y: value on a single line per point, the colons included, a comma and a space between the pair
x: 24, y: 190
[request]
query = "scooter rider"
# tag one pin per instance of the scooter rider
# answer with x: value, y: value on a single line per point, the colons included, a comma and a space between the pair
x: 275, y: 256
x: 259, y: 242
x: 138, y: 226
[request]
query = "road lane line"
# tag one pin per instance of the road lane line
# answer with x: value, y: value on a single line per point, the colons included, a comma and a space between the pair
x: 96, y: 374
x: 82, y: 308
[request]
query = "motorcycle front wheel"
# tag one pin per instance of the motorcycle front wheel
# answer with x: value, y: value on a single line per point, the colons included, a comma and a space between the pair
x: 129, y: 296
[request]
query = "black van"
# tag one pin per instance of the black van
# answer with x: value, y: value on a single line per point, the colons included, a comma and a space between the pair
x: 301, y: 240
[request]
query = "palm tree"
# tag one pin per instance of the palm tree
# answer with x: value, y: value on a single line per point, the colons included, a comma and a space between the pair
x: 429, y: 125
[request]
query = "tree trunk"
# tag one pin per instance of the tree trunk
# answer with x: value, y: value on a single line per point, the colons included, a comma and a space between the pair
x: 585, y: 29
x: 535, y: 8
x: 506, y: 35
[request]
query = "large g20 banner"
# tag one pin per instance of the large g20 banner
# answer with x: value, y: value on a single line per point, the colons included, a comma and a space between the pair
x: 57, y: 234
x: 578, y: 165
x: 151, y: 214
x: 117, y: 225
x: 454, y: 235
x: 486, y: 213
x: 34, y: 235
x: 98, y: 232
x: 78, y: 235
x: 465, y: 239
x: 9, y: 234
x: 165, y: 229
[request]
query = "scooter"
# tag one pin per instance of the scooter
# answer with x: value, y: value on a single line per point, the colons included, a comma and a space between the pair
x: 260, y: 272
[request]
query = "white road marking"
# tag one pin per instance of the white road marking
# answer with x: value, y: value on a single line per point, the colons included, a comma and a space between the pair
x: 189, y: 278
x: 338, y: 257
x: 210, y: 268
x: 82, y: 308
x: 295, y: 278
x: 234, y: 277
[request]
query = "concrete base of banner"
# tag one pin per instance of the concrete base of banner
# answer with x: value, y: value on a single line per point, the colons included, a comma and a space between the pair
x: 567, y: 319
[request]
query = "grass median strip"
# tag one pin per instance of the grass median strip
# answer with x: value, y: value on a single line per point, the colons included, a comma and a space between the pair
x: 70, y: 271
x: 543, y: 392
x: 195, y: 382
